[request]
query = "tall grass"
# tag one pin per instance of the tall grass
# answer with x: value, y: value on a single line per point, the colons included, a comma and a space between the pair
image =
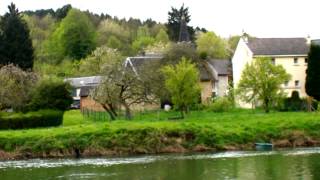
x: 147, y: 133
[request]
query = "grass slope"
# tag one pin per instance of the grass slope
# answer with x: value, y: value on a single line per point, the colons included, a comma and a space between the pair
x: 152, y: 133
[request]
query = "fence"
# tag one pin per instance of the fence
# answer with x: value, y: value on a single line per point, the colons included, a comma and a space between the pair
x: 95, y: 115
x: 155, y: 115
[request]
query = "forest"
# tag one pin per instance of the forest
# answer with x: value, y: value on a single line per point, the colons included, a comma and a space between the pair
x: 65, y: 40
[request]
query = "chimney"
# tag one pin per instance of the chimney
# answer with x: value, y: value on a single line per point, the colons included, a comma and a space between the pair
x: 245, y: 36
x: 308, y: 40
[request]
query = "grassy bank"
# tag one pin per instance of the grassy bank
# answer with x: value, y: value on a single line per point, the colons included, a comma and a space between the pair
x: 152, y: 133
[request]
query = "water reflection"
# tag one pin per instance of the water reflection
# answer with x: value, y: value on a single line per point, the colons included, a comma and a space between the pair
x: 283, y: 165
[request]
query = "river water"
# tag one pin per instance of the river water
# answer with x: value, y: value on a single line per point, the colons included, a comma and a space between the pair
x: 247, y: 165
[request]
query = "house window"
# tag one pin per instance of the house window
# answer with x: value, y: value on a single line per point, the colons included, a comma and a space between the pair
x: 286, y: 83
x: 306, y: 60
x: 295, y: 61
x: 296, y: 83
x: 273, y: 61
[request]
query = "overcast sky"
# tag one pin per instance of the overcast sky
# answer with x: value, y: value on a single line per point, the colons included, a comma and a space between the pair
x: 261, y: 18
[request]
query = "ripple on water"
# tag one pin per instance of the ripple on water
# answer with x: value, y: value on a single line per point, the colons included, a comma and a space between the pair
x: 50, y: 163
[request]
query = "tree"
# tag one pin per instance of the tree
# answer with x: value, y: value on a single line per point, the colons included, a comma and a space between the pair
x: 41, y: 27
x: 182, y: 82
x: 16, y: 45
x: 212, y: 45
x: 16, y: 86
x: 261, y: 80
x: 62, y: 12
x: 94, y: 64
x: 75, y: 37
x: 51, y: 94
x: 162, y: 36
x: 174, y: 22
x: 121, y: 86
x: 142, y: 42
x: 233, y: 42
x: 313, y: 72
x: 176, y: 51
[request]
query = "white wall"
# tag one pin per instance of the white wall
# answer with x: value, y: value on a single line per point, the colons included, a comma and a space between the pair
x: 241, y: 57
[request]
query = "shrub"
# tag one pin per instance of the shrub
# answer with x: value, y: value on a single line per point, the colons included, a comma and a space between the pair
x: 51, y: 94
x: 295, y: 103
x: 43, y: 118
x: 221, y: 104
x: 15, y: 87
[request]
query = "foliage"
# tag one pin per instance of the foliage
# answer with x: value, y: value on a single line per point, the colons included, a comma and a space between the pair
x: 16, y: 86
x: 51, y: 94
x: 43, y: 118
x: 176, y: 51
x: 65, y: 68
x: 313, y: 72
x: 162, y: 36
x: 182, y: 82
x: 75, y: 37
x: 174, y: 22
x: 157, y: 48
x: 114, y: 35
x: 63, y: 11
x: 295, y: 103
x: 16, y: 45
x: 121, y: 86
x: 221, y: 104
x: 142, y: 42
x: 261, y: 81
x: 212, y: 45
x: 233, y: 42
x: 94, y: 64
x: 41, y: 28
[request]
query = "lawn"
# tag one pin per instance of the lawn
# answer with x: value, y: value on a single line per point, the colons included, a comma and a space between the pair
x: 152, y: 132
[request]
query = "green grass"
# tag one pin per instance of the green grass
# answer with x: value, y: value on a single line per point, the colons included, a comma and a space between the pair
x: 152, y: 132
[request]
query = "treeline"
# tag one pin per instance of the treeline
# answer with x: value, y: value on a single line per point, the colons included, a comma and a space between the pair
x: 63, y: 38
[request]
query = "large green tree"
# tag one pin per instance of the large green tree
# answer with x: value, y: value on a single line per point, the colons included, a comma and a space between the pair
x: 212, y: 45
x: 261, y: 81
x: 75, y: 37
x: 16, y: 45
x: 174, y: 22
x: 182, y: 82
x: 313, y: 72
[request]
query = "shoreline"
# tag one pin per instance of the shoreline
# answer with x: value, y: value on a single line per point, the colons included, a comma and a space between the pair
x: 176, y: 149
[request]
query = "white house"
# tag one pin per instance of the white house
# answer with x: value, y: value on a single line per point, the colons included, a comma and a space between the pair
x: 291, y: 53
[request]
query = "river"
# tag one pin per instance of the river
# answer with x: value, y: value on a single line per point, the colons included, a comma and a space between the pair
x: 247, y: 165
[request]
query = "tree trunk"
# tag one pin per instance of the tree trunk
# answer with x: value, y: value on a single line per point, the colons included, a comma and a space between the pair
x: 111, y: 114
x: 128, y: 111
x: 113, y: 110
x: 309, y: 103
x: 266, y: 106
x: 182, y: 113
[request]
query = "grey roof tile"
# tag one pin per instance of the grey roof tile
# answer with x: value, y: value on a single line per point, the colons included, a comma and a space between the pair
x: 278, y: 46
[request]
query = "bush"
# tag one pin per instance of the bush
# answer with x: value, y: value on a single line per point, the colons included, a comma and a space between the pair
x: 51, y: 94
x: 43, y: 118
x: 221, y: 104
x: 295, y: 103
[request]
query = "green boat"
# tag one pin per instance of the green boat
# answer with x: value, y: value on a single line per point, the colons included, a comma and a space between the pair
x: 264, y: 146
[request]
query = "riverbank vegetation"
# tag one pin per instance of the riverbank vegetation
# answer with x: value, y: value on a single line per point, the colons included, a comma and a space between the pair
x: 147, y: 133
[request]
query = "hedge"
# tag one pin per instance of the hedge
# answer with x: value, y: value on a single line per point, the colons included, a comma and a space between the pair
x: 41, y: 118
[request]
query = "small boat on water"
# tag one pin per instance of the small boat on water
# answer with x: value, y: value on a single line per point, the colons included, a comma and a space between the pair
x: 264, y: 146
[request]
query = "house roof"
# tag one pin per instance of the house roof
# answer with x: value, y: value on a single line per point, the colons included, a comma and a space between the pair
x: 278, y: 46
x: 138, y: 61
x: 84, y: 81
x: 220, y: 65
